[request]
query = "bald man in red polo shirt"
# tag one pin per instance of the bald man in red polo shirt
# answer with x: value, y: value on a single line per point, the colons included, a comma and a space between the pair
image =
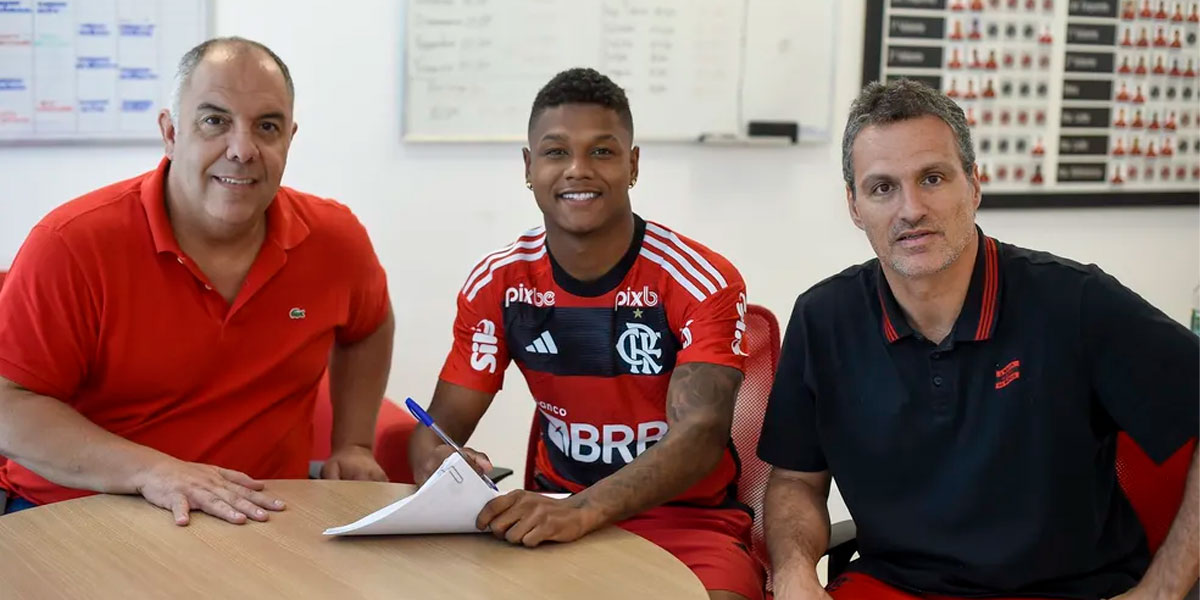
x: 165, y: 335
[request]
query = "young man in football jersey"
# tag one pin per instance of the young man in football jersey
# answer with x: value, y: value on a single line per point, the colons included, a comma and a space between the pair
x: 629, y: 336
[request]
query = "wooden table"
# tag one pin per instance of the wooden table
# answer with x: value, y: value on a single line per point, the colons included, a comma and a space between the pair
x: 121, y: 547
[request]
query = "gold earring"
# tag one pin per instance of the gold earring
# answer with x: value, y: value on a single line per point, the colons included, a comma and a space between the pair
x: 632, y: 182
x: 529, y: 184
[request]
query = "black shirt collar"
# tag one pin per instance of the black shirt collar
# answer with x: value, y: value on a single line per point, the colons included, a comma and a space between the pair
x: 977, y: 319
x: 608, y: 281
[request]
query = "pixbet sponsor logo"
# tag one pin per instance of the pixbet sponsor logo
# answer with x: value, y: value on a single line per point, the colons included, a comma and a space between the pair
x: 643, y: 298
x: 528, y: 295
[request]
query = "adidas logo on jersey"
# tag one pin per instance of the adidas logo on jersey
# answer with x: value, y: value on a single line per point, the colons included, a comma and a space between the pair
x: 544, y: 344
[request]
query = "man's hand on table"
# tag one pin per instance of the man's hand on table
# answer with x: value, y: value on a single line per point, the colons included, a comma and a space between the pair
x: 182, y: 487
x: 353, y: 462
x: 530, y: 518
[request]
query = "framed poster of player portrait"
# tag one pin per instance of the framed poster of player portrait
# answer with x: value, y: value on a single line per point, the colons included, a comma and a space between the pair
x: 1070, y: 102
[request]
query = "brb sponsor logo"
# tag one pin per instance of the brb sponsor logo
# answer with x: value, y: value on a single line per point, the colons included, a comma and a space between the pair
x: 611, y: 443
x: 552, y: 410
x: 528, y: 295
x: 484, y: 346
x: 643, y: 298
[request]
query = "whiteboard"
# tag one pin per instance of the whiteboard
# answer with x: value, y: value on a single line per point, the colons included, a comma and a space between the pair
x: 691, y: 68
x: 91, y: 69
x: 790, y: 60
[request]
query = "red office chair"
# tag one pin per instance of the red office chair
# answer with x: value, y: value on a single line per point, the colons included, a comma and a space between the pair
x: 392, y: 430
x: 1155, y: 491
x: 761, y: 343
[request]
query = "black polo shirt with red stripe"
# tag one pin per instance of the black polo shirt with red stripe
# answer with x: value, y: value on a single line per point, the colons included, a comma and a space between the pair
x: 985, y: 464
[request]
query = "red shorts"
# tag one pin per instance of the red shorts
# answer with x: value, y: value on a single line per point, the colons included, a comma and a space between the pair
x: 713, y: 543
x: 858, y: 586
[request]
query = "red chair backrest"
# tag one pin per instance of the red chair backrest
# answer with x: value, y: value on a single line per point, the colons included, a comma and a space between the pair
x: 761, y: 343
x: 1154, y: 490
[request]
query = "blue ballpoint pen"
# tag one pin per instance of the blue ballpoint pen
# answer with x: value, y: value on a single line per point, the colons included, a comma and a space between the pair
x: 427, y: 421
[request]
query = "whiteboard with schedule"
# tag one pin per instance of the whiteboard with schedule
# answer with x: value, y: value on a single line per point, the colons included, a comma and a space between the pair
x: 79, y: 70
x: 693, y: 69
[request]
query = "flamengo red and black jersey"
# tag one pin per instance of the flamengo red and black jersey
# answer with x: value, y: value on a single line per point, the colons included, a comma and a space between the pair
x: 598, y: 355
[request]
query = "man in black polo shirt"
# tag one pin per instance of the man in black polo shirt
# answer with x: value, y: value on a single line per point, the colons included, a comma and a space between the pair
x: 967, y: 394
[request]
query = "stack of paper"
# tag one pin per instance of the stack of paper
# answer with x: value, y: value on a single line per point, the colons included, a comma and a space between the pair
x: 448, y: 502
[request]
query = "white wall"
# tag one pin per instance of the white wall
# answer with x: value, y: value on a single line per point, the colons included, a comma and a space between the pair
x: 777, y: 213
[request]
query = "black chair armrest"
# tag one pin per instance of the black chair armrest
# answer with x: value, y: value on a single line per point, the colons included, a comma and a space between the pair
x: 843, y: 543
x: 498, y: 473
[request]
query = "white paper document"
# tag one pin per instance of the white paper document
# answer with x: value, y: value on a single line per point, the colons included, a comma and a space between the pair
x: 448, y: 502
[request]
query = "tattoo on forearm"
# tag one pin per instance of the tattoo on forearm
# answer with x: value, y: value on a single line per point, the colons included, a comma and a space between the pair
x: 702, y: 390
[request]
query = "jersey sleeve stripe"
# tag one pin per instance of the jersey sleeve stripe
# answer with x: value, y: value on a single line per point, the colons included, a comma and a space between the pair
x: 521, y: 256
x: 700, y: 260
x: 669, y: 268
x: 524, y: 243
x: 683, y: 262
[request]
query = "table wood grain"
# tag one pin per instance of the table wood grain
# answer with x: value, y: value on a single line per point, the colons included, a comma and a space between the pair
x: 121, y: 547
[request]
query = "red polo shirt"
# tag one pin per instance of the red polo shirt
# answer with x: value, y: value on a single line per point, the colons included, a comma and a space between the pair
x: 103, y: 311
